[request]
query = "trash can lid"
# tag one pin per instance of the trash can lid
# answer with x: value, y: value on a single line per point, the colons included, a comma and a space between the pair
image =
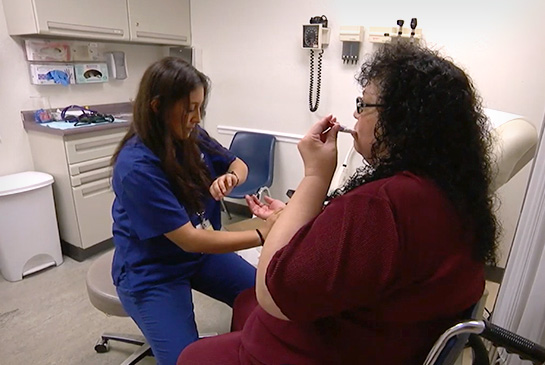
x: 23, y: 181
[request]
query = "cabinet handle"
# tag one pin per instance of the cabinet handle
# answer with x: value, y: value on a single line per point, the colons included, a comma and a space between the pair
x: 106, y: 142
x: 161, y: 36
x: 95, y: 188
x: 84, y: 28
x: 89, y: 166
x: 90, y: 177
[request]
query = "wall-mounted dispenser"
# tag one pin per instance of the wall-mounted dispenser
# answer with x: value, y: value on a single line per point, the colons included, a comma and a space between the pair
x: 190, y: 54
x: 351, y: 36
x: 90, y: 73
x: 117, y: 67
x: 185, y: 53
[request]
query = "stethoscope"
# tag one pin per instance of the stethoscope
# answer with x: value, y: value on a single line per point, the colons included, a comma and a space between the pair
x: 87, y: 116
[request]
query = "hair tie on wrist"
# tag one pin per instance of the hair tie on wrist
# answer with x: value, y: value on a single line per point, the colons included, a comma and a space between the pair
x: 260, y: 236
x: 234, y: 173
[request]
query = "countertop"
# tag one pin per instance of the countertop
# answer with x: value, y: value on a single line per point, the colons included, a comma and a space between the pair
x: 120, y: 110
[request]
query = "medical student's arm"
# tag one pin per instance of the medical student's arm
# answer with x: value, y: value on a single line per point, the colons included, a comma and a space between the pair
x: 224, y: 184
x: 319, y: 153
x: 191, y: 239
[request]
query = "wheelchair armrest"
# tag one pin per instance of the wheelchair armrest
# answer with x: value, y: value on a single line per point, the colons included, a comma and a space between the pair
x: 513, y: 343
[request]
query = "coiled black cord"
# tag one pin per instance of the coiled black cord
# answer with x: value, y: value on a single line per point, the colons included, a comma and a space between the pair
x: 314, y: 107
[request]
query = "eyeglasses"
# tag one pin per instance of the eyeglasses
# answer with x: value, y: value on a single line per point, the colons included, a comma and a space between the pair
x: 360, y: 104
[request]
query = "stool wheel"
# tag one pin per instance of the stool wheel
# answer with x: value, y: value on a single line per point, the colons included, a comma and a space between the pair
x: 102, y: 346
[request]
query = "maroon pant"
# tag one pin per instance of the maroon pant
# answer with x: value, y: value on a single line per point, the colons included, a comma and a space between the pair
x: 222, y: 349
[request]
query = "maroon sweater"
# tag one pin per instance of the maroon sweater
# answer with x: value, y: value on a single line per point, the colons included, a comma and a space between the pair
x: 375, y: 278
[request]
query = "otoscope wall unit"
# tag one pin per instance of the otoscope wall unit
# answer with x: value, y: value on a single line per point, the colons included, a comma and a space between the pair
x: 387, y: 34
x: 399, y: 33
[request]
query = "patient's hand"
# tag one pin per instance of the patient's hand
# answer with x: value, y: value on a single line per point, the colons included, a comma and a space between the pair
x: 263, y: 210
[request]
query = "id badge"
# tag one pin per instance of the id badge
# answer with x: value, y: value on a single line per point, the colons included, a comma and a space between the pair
x: 205, y: 224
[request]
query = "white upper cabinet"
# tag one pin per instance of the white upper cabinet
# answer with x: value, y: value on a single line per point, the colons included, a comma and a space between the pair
x: 140, y: 21
x: 160, y: 21
x: 97, y: 19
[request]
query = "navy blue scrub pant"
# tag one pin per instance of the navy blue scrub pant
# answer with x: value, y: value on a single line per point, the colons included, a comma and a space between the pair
x: 164, y: 312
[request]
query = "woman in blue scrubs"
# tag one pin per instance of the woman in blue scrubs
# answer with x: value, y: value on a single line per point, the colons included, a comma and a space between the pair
x: 168, y: 178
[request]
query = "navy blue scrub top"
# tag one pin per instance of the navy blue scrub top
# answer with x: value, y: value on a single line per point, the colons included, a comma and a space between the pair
x: 145, y: 208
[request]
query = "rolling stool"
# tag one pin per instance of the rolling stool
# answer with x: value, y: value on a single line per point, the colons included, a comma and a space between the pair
x: 103, y: 296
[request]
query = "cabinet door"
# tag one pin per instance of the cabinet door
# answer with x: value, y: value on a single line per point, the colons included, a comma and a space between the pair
x: 97, y: 19
x: 160, y: 21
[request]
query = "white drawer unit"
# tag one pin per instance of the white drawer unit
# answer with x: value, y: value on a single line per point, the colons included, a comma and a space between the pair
x: 80, y: 165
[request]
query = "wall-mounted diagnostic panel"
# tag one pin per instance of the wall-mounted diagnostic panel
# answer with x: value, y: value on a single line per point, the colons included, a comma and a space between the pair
x: 351, y: 36
x: 316, y: 34
x: 315, y: 37
x: 393, y: 34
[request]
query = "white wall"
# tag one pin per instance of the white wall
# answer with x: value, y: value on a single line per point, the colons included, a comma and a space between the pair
x: 260, y: 74
x: 16, y: 90
x: 251, y: 50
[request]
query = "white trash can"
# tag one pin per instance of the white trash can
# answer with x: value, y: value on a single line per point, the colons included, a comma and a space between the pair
x: 29, y: 236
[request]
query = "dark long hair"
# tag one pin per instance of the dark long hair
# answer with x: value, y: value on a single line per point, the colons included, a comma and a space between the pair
x: 433, y: 125
x: 167, y: 82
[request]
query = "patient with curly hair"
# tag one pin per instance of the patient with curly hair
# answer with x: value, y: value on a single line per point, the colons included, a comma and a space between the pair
x: 397, y: 255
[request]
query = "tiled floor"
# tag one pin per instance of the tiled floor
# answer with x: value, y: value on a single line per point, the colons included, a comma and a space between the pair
x: 47, y: 319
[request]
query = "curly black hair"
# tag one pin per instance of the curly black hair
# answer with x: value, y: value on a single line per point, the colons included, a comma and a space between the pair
x: 433, y: 125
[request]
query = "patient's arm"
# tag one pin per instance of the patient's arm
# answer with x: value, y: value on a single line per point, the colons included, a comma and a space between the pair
x: 263, y: 210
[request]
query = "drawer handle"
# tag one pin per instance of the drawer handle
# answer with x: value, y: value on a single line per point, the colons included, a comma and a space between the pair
x: 84, y: 28
x: 87, y: 179
x: 154, y: 35
x: 80, y: 147
x: 90, y: 191
x: 76, y: 170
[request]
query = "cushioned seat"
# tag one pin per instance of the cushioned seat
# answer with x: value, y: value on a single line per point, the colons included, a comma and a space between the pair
x: 103, y: 296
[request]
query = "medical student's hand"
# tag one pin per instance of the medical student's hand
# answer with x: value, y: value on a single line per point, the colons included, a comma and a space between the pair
x: 263, y: 210
x: 319, y: 149
x: 223, y: 185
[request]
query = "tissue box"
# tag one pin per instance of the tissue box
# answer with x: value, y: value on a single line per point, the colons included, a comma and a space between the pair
x: 43, y: 50
x: 39, y: 73
x: 91, y: 72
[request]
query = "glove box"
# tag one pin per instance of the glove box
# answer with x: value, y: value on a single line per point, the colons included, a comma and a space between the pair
x: 52, y: 74
x: 91, y: 73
